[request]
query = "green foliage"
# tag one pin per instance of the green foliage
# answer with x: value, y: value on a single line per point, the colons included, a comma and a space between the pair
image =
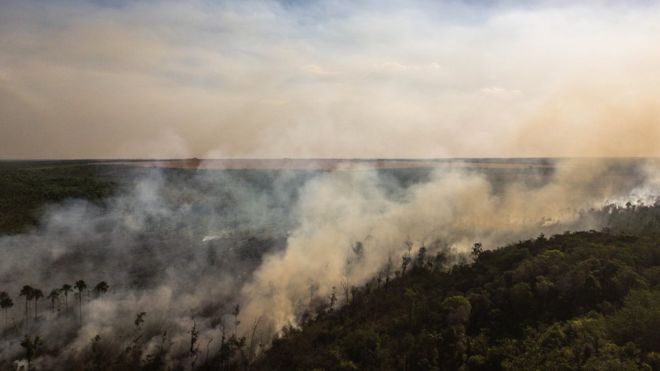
x: 577, y: 301
x: 638, y: 321
x: 27, y: 187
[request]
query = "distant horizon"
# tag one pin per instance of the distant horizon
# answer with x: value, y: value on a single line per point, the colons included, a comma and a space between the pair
x: 101, y: 159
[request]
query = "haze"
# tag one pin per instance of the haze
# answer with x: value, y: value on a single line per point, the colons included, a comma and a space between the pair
x: 336, y: 79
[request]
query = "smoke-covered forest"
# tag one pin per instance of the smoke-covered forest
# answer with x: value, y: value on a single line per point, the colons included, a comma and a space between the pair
x: 329, y: 185
x: 109, y: 266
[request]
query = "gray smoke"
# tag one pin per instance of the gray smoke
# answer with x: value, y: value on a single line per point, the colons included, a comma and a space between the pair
x: 187, y: 246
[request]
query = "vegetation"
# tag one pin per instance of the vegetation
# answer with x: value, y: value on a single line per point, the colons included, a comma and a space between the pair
x: 5, y: 304
x: 577, y: 301
x: 101, y: 288
x: 31, y: 346
x: 26, y: 187
x: 66, y: 288
x: 81, y: 286
x: 111, y: 354
x: 34, y: 294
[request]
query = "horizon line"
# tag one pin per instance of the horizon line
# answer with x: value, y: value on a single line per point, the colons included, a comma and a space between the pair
x: 106, y: 159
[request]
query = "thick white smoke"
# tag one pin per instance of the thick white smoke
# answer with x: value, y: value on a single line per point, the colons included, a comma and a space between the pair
x: 454, y: 209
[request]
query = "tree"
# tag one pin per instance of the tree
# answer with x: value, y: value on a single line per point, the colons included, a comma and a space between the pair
x: 235, y: 313
x: 31, y: 346
x: 194, y: 347
x: 139, y: 319
x: 53, y: 296
x: 27, y: 291
x: 420, y: 259
x: 405, y: 261
x: 333, y: 299
x: 36, y: 295
x: 228, y: 348
x: 477, y: 249
x: 638, y: 320
x: 80, y: 285
x: 5, y: 304
x: 101, y: 288
x: 387, y: 271
x: 97, y: 356
x: 66, y: 288
x: 133, y: 352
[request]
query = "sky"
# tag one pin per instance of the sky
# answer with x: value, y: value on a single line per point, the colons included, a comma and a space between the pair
x: 328, y: 79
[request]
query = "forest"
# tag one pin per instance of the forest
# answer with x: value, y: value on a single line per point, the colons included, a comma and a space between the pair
x: 83, y: 288
x: 574, y: 301
x: 309, y: 185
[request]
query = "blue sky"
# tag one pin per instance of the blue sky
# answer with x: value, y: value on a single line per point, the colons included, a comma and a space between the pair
x: 328, y: 78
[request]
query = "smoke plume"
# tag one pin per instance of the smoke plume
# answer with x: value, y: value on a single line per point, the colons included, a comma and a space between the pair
x: 188, y: 249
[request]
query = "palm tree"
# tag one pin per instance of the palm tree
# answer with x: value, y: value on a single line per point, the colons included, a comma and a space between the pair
x: 80, y: 285
x: 36, y: 295
x: 27, y: 291
x: 5, y: 304
x: 66, y: 288
x: 53, y: 296
x: 101, y: 288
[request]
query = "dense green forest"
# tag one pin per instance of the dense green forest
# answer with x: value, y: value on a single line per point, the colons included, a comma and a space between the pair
x: 26, y: 187
x: 577, y: 301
